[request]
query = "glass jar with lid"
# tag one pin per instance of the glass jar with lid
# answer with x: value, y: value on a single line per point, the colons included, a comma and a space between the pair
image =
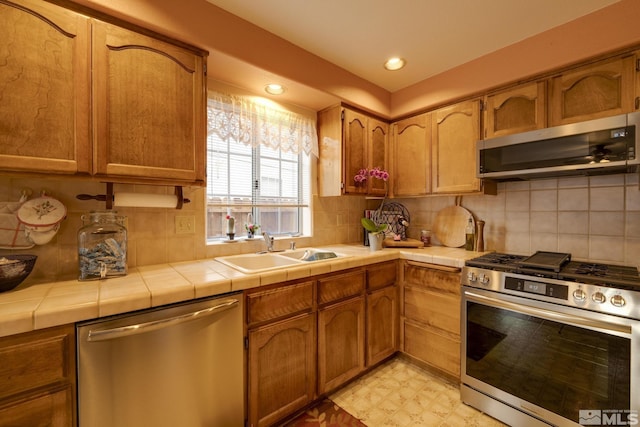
x: 102, y: 246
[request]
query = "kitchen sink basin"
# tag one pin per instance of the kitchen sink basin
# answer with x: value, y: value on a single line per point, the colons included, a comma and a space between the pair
x: 310, y: 254
x: 256, y: 263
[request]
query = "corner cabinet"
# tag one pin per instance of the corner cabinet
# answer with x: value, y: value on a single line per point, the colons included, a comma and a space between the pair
x: 382, y: 312
x: 148, y: 107
x: 38, y: 377
x: 44, y: 87
x: 86, y: 97
x: 518, y: 109
x: 601, y: 89
x: 455, y: 132
x: 349, y: 141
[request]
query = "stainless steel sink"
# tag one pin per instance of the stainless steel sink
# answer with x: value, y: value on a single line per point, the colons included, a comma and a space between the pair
x: 256, y: 263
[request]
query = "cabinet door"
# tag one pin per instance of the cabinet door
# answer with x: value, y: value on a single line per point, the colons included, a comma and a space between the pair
x: 149, y: 107
x: 340, y: 343
x: 355, y: 150
x: 456, y: 131
x: 519, y: 109
x: 44, y: 88
x: 411, y: 171
x: 282, y: 367
x: 378, y: 142
x: 382, y: 326
x: 593, y: 91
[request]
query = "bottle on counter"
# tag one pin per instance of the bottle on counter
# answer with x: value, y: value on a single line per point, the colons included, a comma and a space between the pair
x: 425, y: 237
x: 469, y: 234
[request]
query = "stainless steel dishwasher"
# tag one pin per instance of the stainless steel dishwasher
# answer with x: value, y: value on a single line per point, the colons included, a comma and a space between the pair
x: 180, y: 365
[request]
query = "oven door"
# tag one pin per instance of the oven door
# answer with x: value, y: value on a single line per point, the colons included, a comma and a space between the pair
x: 562, y: 365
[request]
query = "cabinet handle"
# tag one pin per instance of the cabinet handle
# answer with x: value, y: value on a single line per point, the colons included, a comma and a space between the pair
x: 434, y: 266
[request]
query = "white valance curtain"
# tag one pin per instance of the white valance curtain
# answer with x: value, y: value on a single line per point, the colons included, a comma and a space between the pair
x: 252, y: 123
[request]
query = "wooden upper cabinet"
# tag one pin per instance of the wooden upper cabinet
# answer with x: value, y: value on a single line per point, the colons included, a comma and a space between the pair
x: 412, y: 156
x: 518, y: 109
x: 355, y: 150
x: 148, y: 107
x: 602, y: 89
x: 350, y: 141
x: 377, y: 147
x: 44, y: 88
x: 455, y: 132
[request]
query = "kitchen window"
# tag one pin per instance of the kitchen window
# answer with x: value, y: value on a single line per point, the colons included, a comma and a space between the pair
x: 258, y: 164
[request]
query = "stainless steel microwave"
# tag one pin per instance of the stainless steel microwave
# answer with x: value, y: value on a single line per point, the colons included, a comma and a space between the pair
x: 601, y: 146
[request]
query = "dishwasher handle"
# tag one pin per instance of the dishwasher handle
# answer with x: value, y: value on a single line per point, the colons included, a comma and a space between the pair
x: 124, y: 331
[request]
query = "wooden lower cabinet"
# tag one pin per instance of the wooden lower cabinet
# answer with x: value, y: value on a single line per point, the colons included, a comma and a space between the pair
x: 37, y: 378
x: 382, y: 324
x: 309, y: 337
x: 340, y: 343
x: 50, y: 409
x: 429, y: 345
x: 431, y: 315
x: 282, y: 367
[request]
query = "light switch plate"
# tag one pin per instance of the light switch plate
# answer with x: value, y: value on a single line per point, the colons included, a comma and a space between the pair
x: 185, y: 224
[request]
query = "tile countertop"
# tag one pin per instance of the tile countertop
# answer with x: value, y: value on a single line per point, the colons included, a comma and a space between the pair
x: 50, y: 304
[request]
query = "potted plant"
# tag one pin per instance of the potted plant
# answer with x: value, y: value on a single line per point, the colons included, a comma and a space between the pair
x: 376, y: 233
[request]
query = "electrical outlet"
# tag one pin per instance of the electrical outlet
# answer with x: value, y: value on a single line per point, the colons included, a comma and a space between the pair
x: 185, y: 224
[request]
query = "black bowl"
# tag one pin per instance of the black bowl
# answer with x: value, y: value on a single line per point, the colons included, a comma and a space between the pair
x: 13, y: 273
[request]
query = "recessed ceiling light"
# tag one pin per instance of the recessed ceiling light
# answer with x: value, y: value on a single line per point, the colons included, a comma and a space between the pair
x: 274, y: 89
x: 393, y: 64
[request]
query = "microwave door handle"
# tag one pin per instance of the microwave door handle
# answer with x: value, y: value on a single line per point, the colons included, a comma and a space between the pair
x: 549, y: 315
x: 124, y: 331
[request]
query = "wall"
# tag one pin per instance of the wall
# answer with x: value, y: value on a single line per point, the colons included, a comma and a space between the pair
x: 593, y: 218
x: 152, y: 238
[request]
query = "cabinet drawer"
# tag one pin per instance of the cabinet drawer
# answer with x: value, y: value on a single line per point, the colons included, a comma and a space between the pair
x: 54, y: 409
x: 341, y: 286
x: 381, y: 275
x: 34, y: 360
x: 437, y: 350
x: 433, y: 276
x: 279, y: 302
x: 435, y: 309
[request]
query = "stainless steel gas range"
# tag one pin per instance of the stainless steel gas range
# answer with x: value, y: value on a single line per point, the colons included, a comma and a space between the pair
x: 547, y: 340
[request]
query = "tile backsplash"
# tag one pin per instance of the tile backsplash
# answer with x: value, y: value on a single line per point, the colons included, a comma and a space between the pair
x: 593, y: 218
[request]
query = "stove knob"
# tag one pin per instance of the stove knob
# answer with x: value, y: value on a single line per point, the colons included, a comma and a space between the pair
x: 471, y: 276
x: 599, y: 297
x: 579, y: 295
x: 618, y: 301
x: 484, y: 279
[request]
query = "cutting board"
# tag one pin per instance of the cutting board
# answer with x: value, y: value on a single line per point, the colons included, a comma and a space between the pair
x: 409, y: 243
x: 450, y: 224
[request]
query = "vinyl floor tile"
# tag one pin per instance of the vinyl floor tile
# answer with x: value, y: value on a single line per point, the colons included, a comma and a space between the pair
x: 401, y: 394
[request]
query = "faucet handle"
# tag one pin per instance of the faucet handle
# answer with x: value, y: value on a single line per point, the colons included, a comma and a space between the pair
x: 292, y: 245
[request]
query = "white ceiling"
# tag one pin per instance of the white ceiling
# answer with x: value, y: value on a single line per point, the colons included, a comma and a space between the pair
x: 432, y: 35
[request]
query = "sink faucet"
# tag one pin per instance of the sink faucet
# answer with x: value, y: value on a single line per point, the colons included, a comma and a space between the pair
x: 268, y: 240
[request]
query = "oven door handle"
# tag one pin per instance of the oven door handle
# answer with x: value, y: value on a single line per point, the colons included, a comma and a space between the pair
x: 548, y: 314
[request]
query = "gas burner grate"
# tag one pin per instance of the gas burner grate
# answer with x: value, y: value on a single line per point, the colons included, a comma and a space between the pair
x: 598, y: 270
